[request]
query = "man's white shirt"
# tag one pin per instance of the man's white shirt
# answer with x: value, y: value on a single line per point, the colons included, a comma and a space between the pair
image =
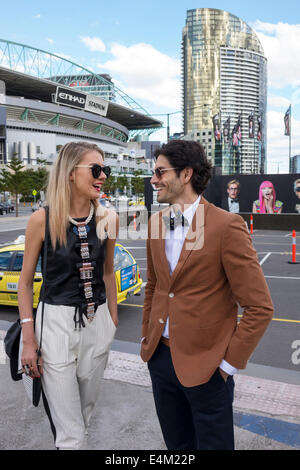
x: 174, y: 240
x: 233, y: 206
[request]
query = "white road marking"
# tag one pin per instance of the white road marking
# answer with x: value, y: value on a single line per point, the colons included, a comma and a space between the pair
x: 281, y: 277
x: 264, y: 258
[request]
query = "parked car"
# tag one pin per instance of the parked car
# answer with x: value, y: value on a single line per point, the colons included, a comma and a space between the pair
x: 3, y: 208
x: 127, y: 274
x: 10, y: 207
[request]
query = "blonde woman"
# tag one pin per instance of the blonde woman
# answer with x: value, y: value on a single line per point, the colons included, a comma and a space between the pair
x: 80, y: 315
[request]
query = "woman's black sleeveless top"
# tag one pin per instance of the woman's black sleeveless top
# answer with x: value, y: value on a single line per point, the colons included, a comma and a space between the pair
x: 63, y: 284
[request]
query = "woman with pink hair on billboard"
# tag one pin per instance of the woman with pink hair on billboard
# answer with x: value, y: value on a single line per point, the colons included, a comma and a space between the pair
x: 267, y: 204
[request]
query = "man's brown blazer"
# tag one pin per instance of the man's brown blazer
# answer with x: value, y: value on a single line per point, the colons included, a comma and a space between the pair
x: 217, y: 270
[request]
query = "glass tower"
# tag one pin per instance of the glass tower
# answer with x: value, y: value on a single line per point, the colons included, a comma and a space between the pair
x: 224, y: 74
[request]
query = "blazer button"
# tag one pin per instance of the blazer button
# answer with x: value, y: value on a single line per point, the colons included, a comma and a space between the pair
x: 171, y: 295
x: 161, y: 320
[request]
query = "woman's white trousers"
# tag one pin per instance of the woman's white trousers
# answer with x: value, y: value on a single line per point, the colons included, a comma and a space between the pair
x: 74, y: 362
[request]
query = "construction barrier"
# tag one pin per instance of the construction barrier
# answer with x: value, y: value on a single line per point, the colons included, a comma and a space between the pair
x: 293, y: 249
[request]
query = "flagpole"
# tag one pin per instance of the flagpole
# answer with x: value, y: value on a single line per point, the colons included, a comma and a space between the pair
x: 253, y: 131
x: 290, y: 136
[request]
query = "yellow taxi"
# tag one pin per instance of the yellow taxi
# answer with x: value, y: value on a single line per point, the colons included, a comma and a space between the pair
x: 139, y: 202
x: 127, y: 274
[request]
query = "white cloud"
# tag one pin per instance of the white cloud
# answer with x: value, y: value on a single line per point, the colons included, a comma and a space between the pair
x: 37, y: 16
x: 146, y: 74
x: 51, y: 41
x: 93, y: 44
x: 281, y: 46
x: 276, y: 101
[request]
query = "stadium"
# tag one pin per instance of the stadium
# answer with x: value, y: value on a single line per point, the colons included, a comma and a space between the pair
x: 47, y: 101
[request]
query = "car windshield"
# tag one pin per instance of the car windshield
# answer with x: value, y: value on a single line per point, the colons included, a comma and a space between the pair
x: 18, y: 261
x: 5, y: 258
x: 122, y: 258
x: 17, y: 266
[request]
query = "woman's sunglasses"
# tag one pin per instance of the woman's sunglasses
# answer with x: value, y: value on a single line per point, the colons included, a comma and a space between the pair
x: 96, y: 170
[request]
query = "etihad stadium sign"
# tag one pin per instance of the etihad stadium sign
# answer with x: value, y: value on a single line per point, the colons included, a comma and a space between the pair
x: 76, y: 99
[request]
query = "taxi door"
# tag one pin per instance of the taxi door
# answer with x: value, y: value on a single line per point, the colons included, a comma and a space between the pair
x: 5, y: 263
x: 12, y: 278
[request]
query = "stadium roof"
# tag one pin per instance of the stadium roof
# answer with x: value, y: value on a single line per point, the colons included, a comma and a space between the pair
x: 24, y: 76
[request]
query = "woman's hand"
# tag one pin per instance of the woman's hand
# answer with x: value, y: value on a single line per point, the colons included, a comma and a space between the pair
x: 32, y: 364
x: 269, y: 202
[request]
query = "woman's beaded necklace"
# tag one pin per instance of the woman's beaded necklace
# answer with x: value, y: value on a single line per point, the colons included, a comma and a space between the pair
x: 86, y: 268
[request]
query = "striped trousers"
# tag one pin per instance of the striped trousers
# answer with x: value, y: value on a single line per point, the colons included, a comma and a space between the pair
x: 74, y: 363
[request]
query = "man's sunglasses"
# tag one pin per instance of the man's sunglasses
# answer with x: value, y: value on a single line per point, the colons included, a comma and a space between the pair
x: 158, y: 172
x: 96, y: 170
x: 297, y: 189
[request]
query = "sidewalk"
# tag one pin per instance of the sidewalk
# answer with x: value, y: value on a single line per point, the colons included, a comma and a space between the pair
x: 8, y: 224
x: 266, y: 412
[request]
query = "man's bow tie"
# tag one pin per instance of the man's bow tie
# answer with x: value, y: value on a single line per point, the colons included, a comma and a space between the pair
x: 172, y: 222
x: 234, y: 200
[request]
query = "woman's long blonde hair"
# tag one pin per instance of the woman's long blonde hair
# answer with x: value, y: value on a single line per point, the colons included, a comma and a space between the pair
x: 58, y: 195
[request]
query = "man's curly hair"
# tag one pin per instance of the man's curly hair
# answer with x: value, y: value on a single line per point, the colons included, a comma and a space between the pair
x: 188, y: 154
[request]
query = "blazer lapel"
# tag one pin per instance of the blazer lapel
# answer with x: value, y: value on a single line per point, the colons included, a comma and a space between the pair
x: 195, y: 236
x: 165, y: 270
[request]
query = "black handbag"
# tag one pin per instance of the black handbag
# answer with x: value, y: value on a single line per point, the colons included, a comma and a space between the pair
x: 13, y: 335
x: 11, y: 344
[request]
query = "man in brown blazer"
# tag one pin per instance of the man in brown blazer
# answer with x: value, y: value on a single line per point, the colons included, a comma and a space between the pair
x: 201, y: 265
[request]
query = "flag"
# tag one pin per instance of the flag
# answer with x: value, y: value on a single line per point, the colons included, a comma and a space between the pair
x: 216, y: 124
x: 259, y: 133
x: 237, y: 133
x: 287, y: 121
x: 251, y: 125
x: 226, y: 130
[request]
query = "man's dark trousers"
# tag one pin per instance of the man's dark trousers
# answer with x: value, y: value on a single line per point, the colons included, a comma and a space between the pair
x: 191, y: 418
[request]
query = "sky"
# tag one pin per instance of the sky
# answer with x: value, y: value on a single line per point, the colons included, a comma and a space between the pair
x: 138, y: 42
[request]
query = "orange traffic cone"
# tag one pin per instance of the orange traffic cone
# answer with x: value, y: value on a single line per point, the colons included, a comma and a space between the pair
x: 293, y: 249
x: 251, y: 224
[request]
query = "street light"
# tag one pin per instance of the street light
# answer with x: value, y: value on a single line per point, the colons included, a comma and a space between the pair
x: 168, y: 120
x: 177, y: 112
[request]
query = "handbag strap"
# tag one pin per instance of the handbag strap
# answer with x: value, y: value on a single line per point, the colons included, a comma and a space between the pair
x: 44, y: 269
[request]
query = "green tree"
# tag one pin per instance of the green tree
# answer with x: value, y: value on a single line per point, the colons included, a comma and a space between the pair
x: 13, y: 179
x: 40, y: 179
x: 122, y: 182
x: 137, y: 183
x: 109, y: 185
x: 26, y: 189
x: 2, y: 185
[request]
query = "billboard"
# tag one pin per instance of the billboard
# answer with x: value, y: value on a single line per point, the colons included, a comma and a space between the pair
x: 257, y: 194
x: 77, y: 99
x: 70, y: 97
x: 95, y: 104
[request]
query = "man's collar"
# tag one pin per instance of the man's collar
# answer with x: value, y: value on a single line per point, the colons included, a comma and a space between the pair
x: 189, y: 211
x: 231, y: 199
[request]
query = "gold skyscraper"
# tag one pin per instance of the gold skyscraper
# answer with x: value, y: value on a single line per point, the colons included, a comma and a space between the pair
x: 224, y: 73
